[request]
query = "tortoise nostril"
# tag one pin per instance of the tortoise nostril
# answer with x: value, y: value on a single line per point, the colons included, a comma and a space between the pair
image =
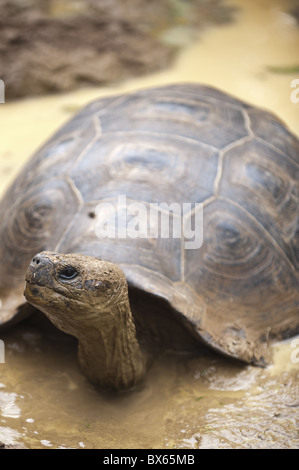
x: 36, y: 260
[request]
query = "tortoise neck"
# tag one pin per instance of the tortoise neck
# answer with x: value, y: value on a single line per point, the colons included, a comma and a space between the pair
x: 110, y: 356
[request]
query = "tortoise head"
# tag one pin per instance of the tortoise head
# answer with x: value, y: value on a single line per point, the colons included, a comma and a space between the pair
x: 71, y: 288
x: 88, y: 298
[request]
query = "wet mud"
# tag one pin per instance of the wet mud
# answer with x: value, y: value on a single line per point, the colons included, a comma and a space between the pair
x: 52, y: 46
x: 184, y: 402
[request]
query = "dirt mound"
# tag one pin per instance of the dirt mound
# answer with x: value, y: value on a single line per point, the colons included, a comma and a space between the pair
x: 57, y: 45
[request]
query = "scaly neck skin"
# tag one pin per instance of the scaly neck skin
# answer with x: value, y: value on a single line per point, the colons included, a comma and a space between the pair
x: 109, y: 353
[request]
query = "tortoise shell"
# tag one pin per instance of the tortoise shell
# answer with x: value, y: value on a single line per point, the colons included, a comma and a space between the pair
x: 187, y: 144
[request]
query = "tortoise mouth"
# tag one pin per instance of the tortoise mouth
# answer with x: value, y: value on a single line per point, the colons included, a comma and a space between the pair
x: 38, y: 278
x: 40, y: 271
x: 33, y: 293
x: 33, y: 281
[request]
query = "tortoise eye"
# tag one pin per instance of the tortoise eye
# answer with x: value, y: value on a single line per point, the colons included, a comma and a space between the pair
x: 68, y: 273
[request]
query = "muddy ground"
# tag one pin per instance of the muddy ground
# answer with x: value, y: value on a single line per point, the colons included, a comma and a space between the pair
x: 57, y: 45
x: 185, y: 402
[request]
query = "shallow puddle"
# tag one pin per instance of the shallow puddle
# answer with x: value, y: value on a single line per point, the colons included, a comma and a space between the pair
x: 185, y: 402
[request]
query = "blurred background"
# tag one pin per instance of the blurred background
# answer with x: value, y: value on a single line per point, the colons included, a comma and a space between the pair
x: 57, y: 55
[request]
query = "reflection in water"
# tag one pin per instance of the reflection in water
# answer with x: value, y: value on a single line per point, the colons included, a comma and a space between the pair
x: 8, y: 407
x: 9, y: 436
x: 184, y: 402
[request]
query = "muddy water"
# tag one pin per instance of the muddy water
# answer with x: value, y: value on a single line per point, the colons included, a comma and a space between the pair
x: 185, y: 402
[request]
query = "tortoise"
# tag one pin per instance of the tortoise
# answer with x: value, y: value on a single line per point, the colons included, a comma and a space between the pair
x: 198, y: 156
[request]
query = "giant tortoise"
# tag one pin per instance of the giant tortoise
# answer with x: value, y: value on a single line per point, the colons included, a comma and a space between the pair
x: 202, y: 159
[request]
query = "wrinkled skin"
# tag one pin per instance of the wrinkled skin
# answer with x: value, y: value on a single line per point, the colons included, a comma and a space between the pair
x: 88, y: 298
